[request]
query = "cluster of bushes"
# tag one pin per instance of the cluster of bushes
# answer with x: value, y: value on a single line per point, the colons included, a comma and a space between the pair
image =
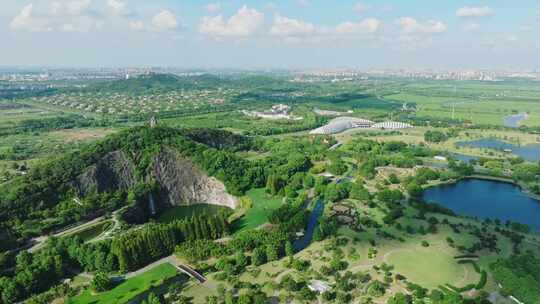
x: 519, y: 276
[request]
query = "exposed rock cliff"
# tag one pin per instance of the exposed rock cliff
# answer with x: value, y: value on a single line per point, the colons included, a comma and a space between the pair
x: 182, y: 182
x: 113, y: 171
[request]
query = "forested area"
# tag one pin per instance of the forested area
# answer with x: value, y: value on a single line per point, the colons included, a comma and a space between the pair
x: 519, y: 276
x: 39, y: 271
x: 142, y: 246
x: 52, y: 123
x: 43, y: 199
x: 294, y: 171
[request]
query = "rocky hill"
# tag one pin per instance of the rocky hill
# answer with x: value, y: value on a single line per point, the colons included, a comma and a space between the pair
x: 174, y: 166
x: 182, y: 182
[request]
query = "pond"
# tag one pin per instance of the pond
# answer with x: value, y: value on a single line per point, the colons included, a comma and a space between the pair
x: 513, y: 121
x: 487, y: 199
x: 527, y: 152
x: 305, y: 240
x: 463, y: 157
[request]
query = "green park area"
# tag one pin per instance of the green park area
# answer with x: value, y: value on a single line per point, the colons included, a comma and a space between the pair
x: 262, y: 206
x: 128, y: 289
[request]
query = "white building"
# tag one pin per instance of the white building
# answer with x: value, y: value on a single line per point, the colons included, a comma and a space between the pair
x: 319, y: 286
x: 341, y: 124
x: 391, y: 125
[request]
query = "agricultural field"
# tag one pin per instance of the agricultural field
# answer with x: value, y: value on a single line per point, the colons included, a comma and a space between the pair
x: 11, y: 112
x: 485, y: 104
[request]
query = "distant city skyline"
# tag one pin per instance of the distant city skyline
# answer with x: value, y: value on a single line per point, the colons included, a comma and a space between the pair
x: 292, y: 34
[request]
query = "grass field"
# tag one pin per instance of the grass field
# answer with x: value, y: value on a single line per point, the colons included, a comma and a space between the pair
x: 257, y: 215
x: 128, y: 289
x: 429, y: 266
x: 15, y: 112
x: 480, y: 102
x: 181, y: 212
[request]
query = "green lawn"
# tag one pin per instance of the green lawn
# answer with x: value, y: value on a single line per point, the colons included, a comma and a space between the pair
x: 129, y: 288
x: 181, y: 212
x: 427, y: 266
x: 262, y: 207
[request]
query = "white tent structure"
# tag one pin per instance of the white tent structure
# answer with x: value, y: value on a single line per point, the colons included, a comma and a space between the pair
x: 341, y: 124
x: 391, y: 125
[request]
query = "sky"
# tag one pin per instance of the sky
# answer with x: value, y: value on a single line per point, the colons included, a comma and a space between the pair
x: 279, y: 34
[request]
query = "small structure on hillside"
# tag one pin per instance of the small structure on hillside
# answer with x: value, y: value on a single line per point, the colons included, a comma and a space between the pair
x: 153, y: 122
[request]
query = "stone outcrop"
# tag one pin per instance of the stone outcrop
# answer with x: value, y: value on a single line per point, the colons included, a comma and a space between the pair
x: 114, y: 171
x: 183, y: 183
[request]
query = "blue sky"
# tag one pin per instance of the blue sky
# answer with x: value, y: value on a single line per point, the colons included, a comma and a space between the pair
x: 271, y: 34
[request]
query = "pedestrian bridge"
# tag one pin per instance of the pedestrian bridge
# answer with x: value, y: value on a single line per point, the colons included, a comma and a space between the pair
x: 191, y: 272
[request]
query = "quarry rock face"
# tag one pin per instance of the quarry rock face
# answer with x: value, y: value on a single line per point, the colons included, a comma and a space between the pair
x: 114, y: 171
x: 180, y: 180
x: 183, y: 183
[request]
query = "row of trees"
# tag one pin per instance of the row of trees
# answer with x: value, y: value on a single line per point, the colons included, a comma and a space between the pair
x: 39, y: 271
x: 151, y: 242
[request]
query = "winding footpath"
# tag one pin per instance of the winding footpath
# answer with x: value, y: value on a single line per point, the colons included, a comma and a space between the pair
x: 172, y: 259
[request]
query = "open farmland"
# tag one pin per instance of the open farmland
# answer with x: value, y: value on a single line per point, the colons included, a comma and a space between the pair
x: 479, y: 103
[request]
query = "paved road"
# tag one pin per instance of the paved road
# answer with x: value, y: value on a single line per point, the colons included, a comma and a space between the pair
x: 172, y: 259
x: 38, y: 242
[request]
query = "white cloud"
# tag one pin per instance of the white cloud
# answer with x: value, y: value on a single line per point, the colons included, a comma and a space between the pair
x: 411, y: 25
x: 78, y: 7
x: 213, y: 7
x: 284, y: 26
x: 136, y: 25
x: 242, y: 24
x: 63, y: 15
x: 165, y: 21
x: 298, y: 30
x: 361, y: 8
x: 118, y: 7
x: 366, y: 26
x: 70, y: 8
x: 303, y: 2
x: 84, y: 25
x: 25, y: 21
x: 475, y: 11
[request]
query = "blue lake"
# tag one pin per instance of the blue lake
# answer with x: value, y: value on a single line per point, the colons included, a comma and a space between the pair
x: 527, y: 152
x: 487, y: 199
